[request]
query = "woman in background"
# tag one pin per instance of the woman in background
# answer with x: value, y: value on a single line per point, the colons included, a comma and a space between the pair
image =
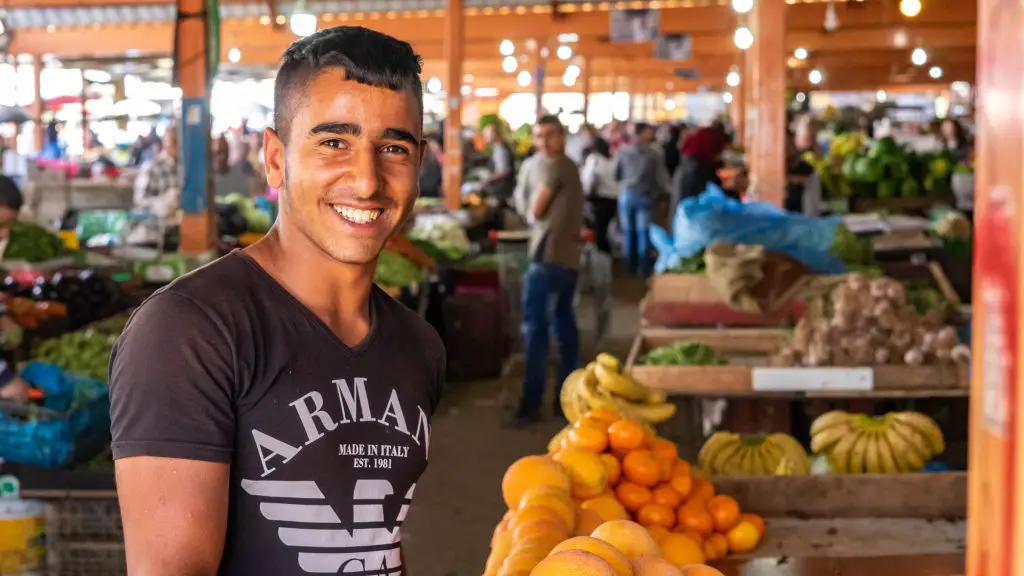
x: 601, y: 191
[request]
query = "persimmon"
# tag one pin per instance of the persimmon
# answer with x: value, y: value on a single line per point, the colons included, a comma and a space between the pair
x: 632, y: 496
x: 725, y: 511
x: 683, y: 485
x: 666, y: 496
x: 696, y: 518
x: 592, y: 436
x: 625, y: 435
x: 702, y: 490
x: 640, y: 467
x: 652, y: 514
x: 680, y: 468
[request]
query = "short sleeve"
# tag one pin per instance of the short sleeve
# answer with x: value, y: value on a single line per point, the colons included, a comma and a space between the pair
x: 171, y: 383
x: 549, y: 177
x: 502, y: 160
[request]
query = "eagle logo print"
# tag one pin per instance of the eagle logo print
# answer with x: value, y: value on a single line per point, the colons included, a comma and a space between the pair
x: 307, y: 522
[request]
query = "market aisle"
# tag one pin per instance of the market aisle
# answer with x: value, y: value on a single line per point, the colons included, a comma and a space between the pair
x: 458, y: 501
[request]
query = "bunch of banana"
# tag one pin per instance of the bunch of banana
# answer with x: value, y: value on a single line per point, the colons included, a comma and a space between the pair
x: 843, y: 145
x: 728, y: 453
x: 602, y: 385
x: 857, y: 443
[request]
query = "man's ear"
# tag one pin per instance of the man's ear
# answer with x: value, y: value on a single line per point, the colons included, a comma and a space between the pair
x: 273, y: 158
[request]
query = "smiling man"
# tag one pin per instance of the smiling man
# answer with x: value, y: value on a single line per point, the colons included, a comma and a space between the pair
x: 271, y: 411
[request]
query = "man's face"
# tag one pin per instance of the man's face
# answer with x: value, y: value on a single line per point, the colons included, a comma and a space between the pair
x: 350, y: 171
x: 490, y: 133
x: 548, y: 138
x: 171, y: 142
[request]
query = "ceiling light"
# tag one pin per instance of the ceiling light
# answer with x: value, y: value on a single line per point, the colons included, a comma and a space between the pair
x: 486, y: 92
x: 506, y: 48
x: 234, y: 55
x: 467, y: 89
x: 564, y: 52
x: 670, y: 104
x: 523, y: 79
x: 881, y: 96
x: 743, y: 38
x: 801, y: 97
x: 568, y: 38
x: 568, y: 79
x: 572, y: 69
x: 800, y: 54
x: 899, y: 38
x: 815, y: 76
x: 468, y: 78
x: 434, y: 85
x: 910, y: 8
x: 732, y: 79
x: 935, y: 72
x: 918, y: 56
x: 742, y: 6
x: 727, y: 97
x: 302, y: 24
x: 509, y: 64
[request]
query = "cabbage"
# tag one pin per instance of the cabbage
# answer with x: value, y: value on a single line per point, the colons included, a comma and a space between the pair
x: 444, y: 232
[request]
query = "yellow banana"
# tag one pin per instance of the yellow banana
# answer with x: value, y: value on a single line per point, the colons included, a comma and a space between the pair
x: 857, y: 454
x: 566, y: 398
x: 828, y: 420
x: 829, y: 437
x: 619, y: 384
x: 886, y: 458
x: 593, y: 397
x: 839, y: 455
x: 608, y: 361
x: 652, y: 413
x: 926, y: 427
x: 738, y: 465
x: 793, y: 449
x: 713, y: 446
x: 655, y: 396
x: 908, y: 454
x: 723, y: 461
x: 872, y: 462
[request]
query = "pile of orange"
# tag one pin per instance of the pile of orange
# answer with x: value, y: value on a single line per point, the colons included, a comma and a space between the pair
x: 614, y: 480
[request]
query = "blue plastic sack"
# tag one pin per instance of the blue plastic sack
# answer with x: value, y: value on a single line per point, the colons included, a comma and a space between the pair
x: 73, y: 425
x: 713, y: 216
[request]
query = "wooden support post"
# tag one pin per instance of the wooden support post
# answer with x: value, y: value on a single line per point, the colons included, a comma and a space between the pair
x: 85, y: 115
x: 37, y: 105
x: 766, y: 71
x: 198, y: 226
x: 995, y: 525
x: 585, y: 73
x: 738, y: 110
x: 539, y: 74
x: 454, y: 44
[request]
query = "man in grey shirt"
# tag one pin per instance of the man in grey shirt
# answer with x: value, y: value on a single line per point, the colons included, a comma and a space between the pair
x: 549, y: 185
x: 640, y: 172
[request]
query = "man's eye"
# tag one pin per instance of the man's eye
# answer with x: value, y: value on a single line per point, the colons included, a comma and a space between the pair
x: 334, y: 143
x: 395, y: 149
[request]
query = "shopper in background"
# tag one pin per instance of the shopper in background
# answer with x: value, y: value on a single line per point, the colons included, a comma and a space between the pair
x: 668, y: 137
x: 578, y: 146
x: 550, y: 182
x: 701, y: 157
x: 501, y: 182
x: 955, y: 139
x: 640, y: 173
x: 803, y: 188
x: 247, y: 397
x: 601, y: 190
x: 12, y: 388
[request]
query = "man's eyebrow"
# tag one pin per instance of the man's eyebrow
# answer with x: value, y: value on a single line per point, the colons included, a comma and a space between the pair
x: 400, y: 135
x: 337, y: 128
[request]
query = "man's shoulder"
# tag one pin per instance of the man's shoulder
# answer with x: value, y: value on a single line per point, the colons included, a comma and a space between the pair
x: 213, y: 290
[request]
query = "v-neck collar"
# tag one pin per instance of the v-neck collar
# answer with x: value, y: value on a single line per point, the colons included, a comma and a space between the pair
x: 312, y: 317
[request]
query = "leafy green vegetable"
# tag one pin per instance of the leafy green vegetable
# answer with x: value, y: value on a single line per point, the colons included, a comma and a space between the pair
x: 395, y: 271
x: 86, y: 352
x: 31, y: 242
x: 482, y: 262
x: 682, y: 353
x: 693, y: 264
x: 853, y: 250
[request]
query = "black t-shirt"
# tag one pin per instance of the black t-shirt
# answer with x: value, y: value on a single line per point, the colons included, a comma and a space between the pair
x: 325, y: 442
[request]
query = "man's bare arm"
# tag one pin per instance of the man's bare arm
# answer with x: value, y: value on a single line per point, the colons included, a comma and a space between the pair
x: 175, y: 515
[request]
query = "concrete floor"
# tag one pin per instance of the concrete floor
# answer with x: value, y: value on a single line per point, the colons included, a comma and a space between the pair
x: 458, y: 501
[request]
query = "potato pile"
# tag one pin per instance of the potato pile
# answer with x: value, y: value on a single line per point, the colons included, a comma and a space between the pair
x: 866, y: 322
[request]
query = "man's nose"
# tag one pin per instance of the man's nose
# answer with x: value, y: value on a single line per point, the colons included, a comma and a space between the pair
x: 367, y: 174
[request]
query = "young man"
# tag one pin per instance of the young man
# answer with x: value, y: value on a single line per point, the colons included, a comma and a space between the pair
x: 12, y: 388
x: 640, y: 171
x: 271, y: 411
x: 551, y: 188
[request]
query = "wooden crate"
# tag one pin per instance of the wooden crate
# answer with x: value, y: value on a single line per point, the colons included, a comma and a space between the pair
x: 736, y: 379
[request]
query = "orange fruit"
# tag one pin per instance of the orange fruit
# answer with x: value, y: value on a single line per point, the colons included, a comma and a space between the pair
x: 681, y: 551
x: 530, y: 472
x: 630, y: 538
x: 756, y: 520
x: 625, y: 435
x: 588, y: 436
x: 696, y: 518
x: 603, y: 414
x: 653, y: 566
x: 683, y: 485
x: 539, y: 541
x: 702, y: 490
x: 546, y: 528
x: 716, y: 546
x: 503, y: 526
x: 666, y: 496
x: 610, y: 554
x: 611, y: 464
x: 656, y: 515
x: 699, y: 570
x: 575, y: 562
x: 557, y: 502
x: 532, y: 513
x: 640, y: 467
x: 743, y: 537
x: 606, y: 506
x: 664, y: 467
x: 657, y: 532
x: 586, y: 522
x: 587, y: 473
x: 632, y: 496
x: 725, y: 511
x: 665, y: 448
x: 689, y: 533
x: 680, y: 468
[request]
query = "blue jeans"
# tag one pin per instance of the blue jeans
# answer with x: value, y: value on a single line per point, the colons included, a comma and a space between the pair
x: 635, y: 213
x: 548, y: 292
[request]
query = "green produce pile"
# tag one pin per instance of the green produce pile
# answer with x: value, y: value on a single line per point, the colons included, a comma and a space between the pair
x: 258, y: 220
x: 693, y: 264
x: 112, y: 325
x: 444, y: 232
x: 33, y: 243
x: 855, y: 251
x: 683, y: 353
x: 923, y: 296
x: 482, y: 262
x: 395, y: 271
x: 86, y: 353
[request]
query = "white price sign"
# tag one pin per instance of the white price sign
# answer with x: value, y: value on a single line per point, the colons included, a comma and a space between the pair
x: 813, y: 379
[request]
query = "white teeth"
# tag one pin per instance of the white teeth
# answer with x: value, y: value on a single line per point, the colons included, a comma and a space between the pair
x: 357, y: 216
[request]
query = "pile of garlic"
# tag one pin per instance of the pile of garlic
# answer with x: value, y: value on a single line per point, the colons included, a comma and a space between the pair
x: 867, y: 322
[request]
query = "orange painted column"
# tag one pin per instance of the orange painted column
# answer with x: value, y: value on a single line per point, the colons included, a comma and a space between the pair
x: 766, y: 109
x: 995, y: 520
x: 585, y: 73
x: 37, y: 104
x: 454, y: 44
x: 738, y: 110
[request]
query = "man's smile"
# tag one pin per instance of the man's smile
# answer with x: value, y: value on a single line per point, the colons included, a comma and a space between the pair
x: 357, y: 215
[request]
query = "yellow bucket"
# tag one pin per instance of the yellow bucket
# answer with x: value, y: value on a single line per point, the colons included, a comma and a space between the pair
x: 22, y: 537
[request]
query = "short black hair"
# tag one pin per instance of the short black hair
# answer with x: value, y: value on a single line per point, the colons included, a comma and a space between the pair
x: 641, y: 127
x: 367, y: 56
x: 550, y: 120
x: 10, y: 196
